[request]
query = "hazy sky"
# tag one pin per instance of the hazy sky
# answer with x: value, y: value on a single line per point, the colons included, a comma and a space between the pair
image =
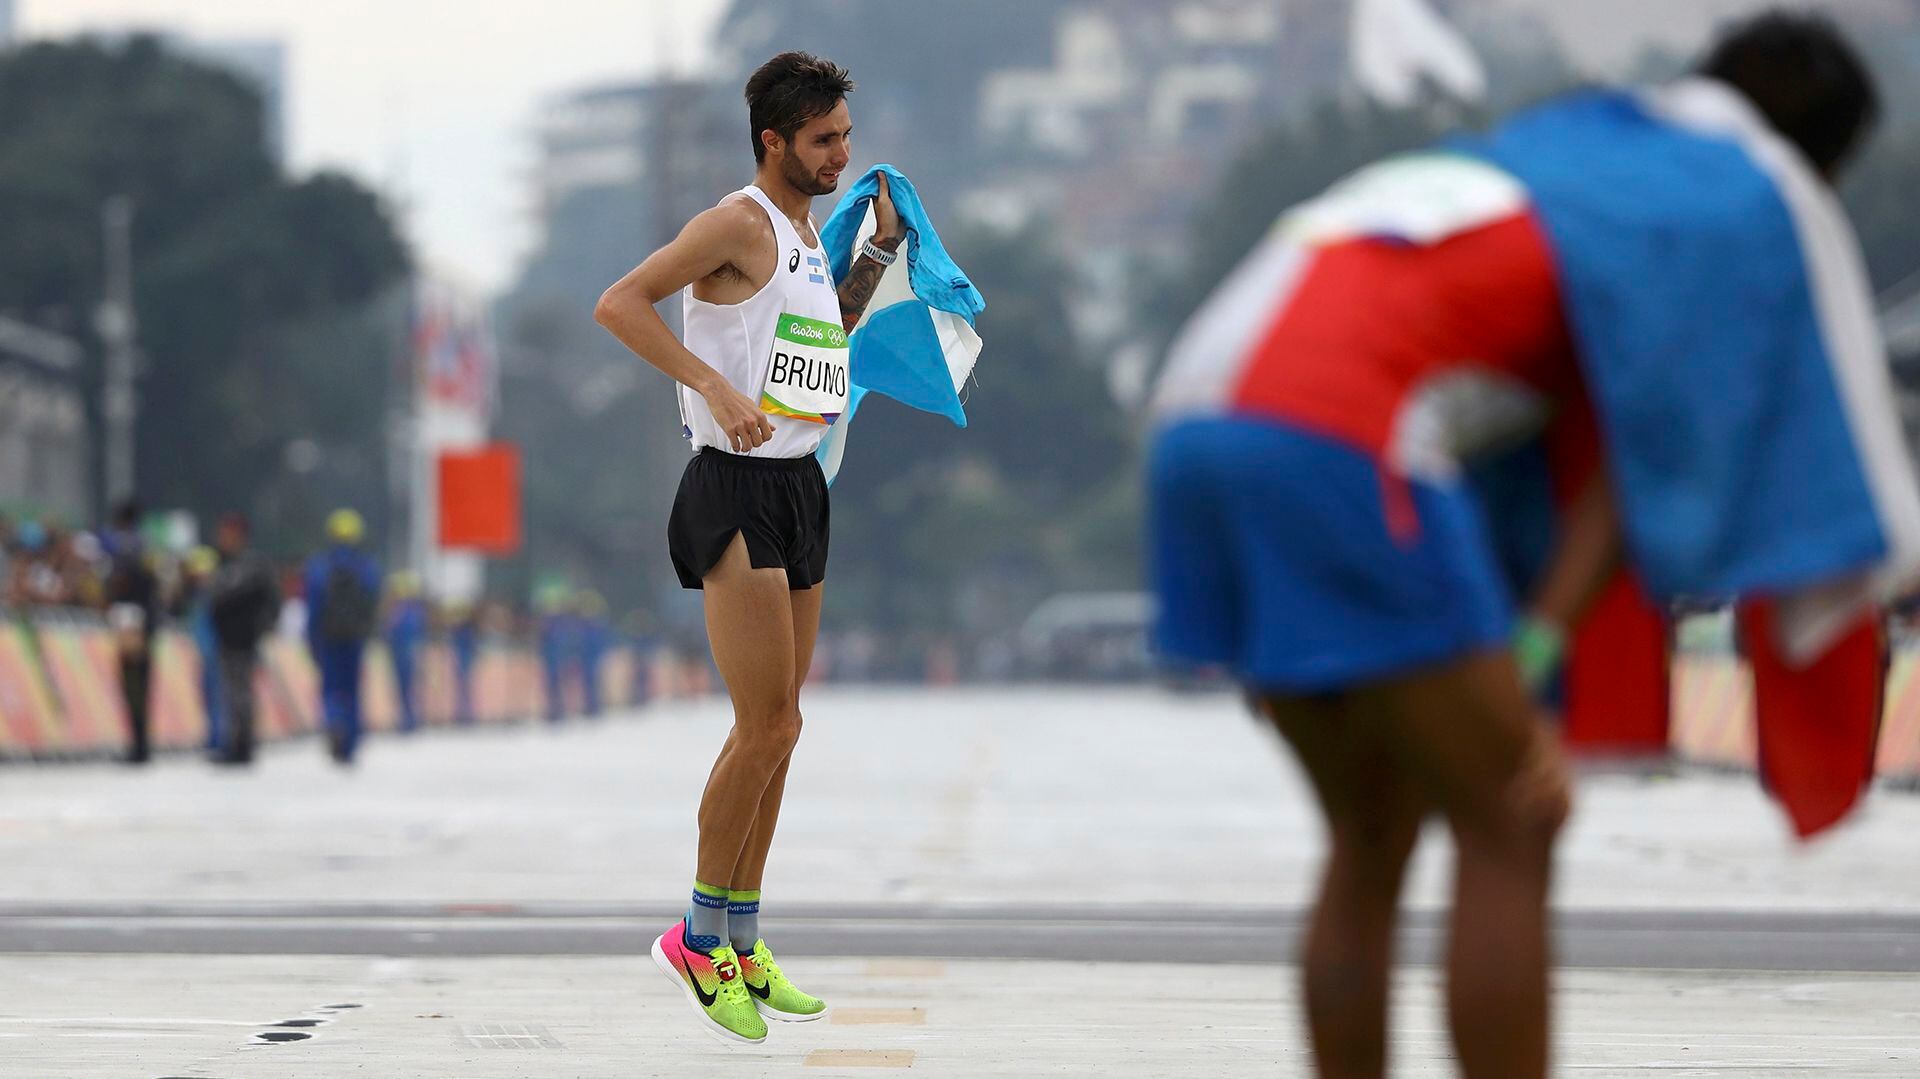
x: 430, y: 100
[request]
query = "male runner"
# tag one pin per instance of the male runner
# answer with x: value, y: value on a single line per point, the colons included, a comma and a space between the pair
x: 1313, y: 534
x: 762, y: 373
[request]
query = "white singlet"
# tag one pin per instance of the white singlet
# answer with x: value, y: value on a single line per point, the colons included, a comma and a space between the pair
x: 783, y: 347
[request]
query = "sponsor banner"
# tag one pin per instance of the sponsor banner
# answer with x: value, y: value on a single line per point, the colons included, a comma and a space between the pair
x: 90, y: 708
x: 380, y: 689
x: 296, y: 684
x: 29, y: 712
x: 436, y: 687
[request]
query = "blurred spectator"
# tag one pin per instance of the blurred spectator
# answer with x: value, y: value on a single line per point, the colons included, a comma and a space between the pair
x: 342, y: 587
x: 595, y: 640
x: 7, y: 541
x: 85, y: 565
x: 196, y: 610
x: 33, y: 580
x: 244, y: 603
x: 559, y: 637
x: 133, y: 613
x: 643, y: 644
x: 465, y: 638
x: 406, y: 633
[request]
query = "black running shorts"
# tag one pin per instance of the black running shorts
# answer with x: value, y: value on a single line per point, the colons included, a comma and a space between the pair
x: 778, y: 503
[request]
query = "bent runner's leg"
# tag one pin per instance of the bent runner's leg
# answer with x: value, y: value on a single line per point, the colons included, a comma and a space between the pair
x: 1467, y: 733
x: 1373, y: 811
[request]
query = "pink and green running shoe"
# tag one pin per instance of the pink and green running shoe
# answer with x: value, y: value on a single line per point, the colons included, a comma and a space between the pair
x: 714, y: 986
x: 773, y: 994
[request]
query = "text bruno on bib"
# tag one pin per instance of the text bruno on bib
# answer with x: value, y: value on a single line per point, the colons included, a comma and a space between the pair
x: 807, y: 371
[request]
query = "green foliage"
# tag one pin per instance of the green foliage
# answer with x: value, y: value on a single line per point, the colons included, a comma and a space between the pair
x: 81, y: 122
x: 240, y: 275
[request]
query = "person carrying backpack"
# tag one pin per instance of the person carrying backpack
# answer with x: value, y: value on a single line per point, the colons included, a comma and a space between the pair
x: 342, y: 585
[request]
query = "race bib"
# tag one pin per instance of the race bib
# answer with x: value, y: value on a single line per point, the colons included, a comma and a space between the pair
x: 807, y: 371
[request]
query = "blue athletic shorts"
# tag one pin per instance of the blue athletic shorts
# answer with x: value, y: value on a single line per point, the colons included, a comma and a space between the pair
x: 1272, y: 555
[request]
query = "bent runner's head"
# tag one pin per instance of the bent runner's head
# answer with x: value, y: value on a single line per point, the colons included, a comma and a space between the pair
x: 1804, y: 77
x: 797, y: 104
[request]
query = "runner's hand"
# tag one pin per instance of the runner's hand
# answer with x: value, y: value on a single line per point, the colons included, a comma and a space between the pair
x: 745, y: 425
x: 887, y: 230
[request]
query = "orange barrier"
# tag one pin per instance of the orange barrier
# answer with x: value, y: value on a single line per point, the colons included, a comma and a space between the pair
x: 496, y: 696
x: 1713, y: 710
x: 103, y: 659
x: 379, y: 689
x: 436, y: 687
x: 179, y: 711
x: 60, y: 687
x: 507, y: 685
x: 60, y: 692
x: 1899, y: 750
x: 91, y: 712
x: 29, y: 713
x: 1713, y: 714
x: 286, y: 690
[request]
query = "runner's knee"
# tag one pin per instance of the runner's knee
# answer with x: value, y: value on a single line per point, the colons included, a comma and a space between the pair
x: 1523, y: 820
x: 773, y: 733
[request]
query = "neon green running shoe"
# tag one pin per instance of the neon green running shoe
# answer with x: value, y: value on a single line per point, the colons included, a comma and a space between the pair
x: 773, y: 994
x: 714, y: 986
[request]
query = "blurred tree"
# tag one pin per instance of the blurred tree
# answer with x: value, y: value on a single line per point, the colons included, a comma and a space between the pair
x: 252, y: 289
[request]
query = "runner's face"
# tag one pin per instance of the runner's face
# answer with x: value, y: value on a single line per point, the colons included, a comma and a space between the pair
x: 818, y: 152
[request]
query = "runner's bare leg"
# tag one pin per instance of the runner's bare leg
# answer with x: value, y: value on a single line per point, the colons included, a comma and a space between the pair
x: 750, y: 627
x: 1373, y: 811
x: 806, y: 629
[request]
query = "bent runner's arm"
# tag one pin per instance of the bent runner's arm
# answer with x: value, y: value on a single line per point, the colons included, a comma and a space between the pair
x: 719, y: 237
x: 1584, y: 558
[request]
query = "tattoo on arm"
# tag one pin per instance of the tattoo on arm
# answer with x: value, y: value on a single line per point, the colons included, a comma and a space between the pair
x: 857, y: 290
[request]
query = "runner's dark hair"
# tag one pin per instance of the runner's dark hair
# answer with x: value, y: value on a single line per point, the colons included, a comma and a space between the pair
x: 789, y: 90
x: 1801, y: 73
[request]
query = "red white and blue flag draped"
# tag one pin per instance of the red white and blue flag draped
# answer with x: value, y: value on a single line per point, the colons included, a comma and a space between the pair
x: 453, y: 350
x: 1721, y: 312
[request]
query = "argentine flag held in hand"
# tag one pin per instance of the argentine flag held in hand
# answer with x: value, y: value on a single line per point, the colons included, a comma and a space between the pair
x: 916, y: 342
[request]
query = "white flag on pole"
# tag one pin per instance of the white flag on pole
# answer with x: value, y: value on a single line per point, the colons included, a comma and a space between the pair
x: 1399, y: 45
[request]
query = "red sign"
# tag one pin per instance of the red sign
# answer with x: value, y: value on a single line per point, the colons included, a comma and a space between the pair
x: 480, y: 499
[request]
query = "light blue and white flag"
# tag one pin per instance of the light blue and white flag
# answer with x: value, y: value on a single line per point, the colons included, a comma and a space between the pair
x: 916, y: 342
